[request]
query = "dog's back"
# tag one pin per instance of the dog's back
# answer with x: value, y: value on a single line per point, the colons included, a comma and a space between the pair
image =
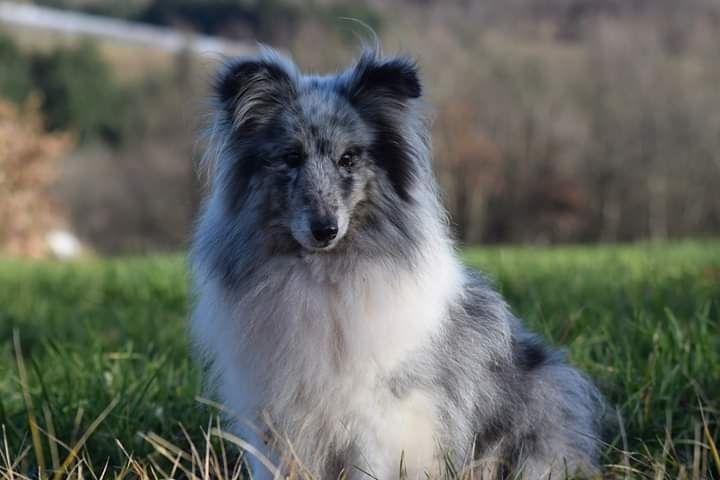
x: 341, y: 329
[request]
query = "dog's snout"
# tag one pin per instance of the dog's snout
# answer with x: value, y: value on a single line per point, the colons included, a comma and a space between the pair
x: 324, y: 230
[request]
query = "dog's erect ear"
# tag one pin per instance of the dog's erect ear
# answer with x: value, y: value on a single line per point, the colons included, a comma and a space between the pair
x: 251, y: 90
x: 373, y: 77
x: 380, y: 89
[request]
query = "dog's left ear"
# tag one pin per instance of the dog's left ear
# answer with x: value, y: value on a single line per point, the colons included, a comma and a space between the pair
x: 374, y: 78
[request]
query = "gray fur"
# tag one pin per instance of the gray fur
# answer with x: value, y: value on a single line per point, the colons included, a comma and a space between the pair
x: 277, y: 313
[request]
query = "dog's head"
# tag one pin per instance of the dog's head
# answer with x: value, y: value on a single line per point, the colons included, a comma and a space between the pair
x: 318, y: 153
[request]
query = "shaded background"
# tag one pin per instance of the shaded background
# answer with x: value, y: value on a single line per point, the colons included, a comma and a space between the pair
x: 555, y: 120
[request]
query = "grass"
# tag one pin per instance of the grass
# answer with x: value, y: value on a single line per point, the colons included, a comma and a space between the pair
x: 96, y: 380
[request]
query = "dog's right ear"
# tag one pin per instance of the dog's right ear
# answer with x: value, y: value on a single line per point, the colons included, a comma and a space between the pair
x: 252, y: 90
x: 374, y: 79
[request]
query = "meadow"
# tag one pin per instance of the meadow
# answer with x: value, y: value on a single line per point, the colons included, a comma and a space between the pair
x: 96, y: 379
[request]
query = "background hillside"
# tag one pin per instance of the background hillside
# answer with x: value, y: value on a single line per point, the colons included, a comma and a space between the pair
x: 556, y: 120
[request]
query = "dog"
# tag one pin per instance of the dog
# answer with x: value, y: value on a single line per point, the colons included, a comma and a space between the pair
x: 342, y: 333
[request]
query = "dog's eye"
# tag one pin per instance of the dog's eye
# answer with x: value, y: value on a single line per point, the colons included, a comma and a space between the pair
x: 293, y: 159
x: 347, y: 160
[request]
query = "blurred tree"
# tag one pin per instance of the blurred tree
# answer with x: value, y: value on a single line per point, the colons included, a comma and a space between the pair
x: 79, y: 93
x: 471, y: 165
x: 263, y: 20
x: 15, y: 80
x: 28, y: 171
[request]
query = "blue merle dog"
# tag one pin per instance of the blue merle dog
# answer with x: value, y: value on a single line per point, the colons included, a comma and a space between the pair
x: 342, y: 333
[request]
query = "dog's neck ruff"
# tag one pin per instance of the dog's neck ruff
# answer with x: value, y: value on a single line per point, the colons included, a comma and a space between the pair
x: 306, y: 314
x: 368, y: 310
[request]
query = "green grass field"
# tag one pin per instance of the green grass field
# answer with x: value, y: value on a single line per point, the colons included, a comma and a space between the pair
x: 94, y: 357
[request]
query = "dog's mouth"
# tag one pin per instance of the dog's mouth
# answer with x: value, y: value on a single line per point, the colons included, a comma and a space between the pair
x: 285, y: 242
x: 315, y: 246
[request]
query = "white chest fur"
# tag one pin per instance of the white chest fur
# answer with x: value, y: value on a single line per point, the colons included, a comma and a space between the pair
x: 312, y: 353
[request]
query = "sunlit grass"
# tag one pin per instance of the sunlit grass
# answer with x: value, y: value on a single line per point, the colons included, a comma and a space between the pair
x: 96, y: 378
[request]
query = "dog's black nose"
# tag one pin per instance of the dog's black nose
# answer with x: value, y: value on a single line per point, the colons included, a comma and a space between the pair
x: 324, y: 230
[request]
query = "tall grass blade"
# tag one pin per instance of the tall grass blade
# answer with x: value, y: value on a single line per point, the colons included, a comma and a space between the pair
x: 711, y: 442
x: 32, y: 419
